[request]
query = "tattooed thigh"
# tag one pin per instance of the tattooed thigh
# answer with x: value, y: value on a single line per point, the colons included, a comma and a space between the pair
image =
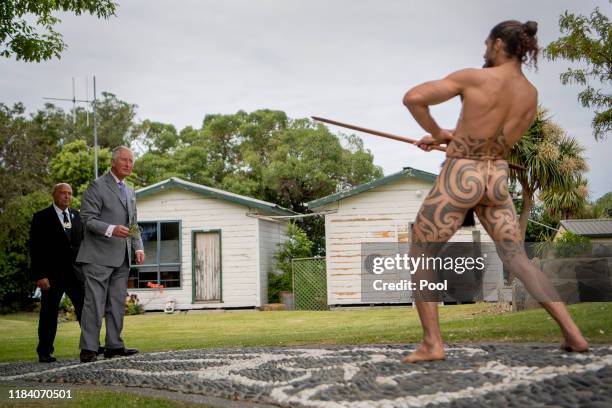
x: 501, y: 224
x: 459, y: 187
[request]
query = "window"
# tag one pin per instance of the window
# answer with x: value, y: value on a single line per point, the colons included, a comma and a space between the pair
x: 161, y: 241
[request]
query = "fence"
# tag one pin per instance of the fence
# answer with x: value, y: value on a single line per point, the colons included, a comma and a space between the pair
x: 309, y: 283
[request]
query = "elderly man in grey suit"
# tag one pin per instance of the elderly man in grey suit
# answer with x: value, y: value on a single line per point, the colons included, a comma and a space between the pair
x: 108, y: 209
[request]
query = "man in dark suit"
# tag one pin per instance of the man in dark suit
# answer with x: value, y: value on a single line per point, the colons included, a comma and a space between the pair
x: 55, y: 238
x: 108, y: 210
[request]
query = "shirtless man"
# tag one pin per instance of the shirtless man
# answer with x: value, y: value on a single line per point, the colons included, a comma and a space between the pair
x: 499, y: 105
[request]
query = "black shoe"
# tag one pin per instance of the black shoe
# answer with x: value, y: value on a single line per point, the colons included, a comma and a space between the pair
x: 100, y: 350
x: 46, y: 359
x: 120, y: 352
x: 88, y: 356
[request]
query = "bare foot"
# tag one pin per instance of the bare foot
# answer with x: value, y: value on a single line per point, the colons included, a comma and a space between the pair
x: 425, y: 353
x: 578, y: 345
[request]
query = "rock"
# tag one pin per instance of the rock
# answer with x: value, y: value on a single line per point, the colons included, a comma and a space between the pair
x: 366, y: 374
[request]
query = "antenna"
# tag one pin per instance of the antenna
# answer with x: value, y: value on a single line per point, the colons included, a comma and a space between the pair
x: 74, y: 100
x: 87, y: 97
x: 73, y: 104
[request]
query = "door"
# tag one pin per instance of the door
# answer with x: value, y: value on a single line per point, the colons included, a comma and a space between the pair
x: 207, y: 266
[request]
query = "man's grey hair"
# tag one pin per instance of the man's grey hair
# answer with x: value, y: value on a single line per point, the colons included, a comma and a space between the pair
x: 118, y: 149
x: 59, y: 185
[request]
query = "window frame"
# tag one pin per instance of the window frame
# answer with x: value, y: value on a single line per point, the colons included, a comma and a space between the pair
x: 159, y: 265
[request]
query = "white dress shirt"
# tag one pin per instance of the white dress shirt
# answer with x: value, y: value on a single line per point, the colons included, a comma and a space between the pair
x: 60, y: 215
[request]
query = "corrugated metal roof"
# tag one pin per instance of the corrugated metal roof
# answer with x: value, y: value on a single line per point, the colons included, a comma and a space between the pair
x: 589, y: 228
x: 406, y: 172
x: 213, y: 192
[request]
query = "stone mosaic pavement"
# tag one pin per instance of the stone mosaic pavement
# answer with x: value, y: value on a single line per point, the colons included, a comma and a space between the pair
x: 494, y: 375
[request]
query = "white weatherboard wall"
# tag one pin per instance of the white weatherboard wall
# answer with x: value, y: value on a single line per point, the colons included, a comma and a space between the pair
x: 240, y: 252
x: 382, y: 214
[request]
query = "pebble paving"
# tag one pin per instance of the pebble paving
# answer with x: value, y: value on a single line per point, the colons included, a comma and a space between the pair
x: 494, y: 375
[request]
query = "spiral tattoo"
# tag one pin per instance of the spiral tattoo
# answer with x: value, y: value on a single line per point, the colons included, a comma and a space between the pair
x: 464, y: 184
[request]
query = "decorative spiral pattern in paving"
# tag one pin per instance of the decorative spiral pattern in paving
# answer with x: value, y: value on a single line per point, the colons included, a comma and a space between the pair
x: 354, y: 376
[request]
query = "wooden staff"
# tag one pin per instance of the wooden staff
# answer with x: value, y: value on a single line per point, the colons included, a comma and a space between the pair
x: 392, y: 136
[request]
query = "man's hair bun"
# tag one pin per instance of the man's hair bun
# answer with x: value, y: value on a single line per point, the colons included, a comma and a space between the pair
x: 519, y: 40
x: 531, y: 28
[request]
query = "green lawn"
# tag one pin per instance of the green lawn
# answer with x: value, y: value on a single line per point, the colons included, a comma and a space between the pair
x: 158, y: 332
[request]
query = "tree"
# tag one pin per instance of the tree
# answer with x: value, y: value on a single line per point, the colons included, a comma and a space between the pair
x: 567, y: 203
x: 25, y: 149
x: 156, y: 137
x: 74, y: 165
x: 588, y: 40
x: 29, y: 142
x: 536, y: 231
x: 602, y: 208
x: 554, y: 162
x: 15, y: 220
x: 34, y: 39
x: 115, y: 122
x: 305, y: 164
x: 221, y: 137
x: 262, y: 154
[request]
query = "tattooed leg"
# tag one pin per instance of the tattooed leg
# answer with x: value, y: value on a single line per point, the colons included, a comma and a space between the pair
x: 458, y: 188
x: 498, y: 216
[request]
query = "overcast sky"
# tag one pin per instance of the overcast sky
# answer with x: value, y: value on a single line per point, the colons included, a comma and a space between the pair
x: 347, y: 60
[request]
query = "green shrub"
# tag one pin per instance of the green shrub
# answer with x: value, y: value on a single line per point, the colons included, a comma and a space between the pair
x: 67, y: 307
x: 297, y: 245
x: 569, y: 245
x: 15, y: 284
x: 133, y: 306
x: 135, y: 309
x: 66, y: 304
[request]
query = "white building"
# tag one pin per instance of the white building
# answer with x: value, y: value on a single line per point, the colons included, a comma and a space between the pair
x: 383, y: 211
x: 207, y: 247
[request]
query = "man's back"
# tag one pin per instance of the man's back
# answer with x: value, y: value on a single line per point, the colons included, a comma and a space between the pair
x: 499, y: 104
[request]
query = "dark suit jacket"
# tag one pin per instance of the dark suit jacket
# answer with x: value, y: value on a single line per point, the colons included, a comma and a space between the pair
x: 52, y: 254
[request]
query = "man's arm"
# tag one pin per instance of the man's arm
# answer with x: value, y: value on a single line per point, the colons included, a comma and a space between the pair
x: 91, y: 208
x: 37, y: 253
x: 419, y: 98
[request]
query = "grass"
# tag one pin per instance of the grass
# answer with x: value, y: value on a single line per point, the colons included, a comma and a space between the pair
x: 159, y: 332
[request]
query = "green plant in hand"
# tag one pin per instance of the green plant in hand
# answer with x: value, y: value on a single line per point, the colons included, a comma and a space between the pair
x: 134, y: 230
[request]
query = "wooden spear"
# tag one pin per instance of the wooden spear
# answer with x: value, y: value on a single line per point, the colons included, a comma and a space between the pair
x: 392, y: 136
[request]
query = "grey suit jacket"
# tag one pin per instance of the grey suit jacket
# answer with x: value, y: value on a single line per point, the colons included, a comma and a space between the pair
x: 102, y: 206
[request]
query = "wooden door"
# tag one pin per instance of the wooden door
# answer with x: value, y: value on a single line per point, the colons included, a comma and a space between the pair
x: 207, y: 258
